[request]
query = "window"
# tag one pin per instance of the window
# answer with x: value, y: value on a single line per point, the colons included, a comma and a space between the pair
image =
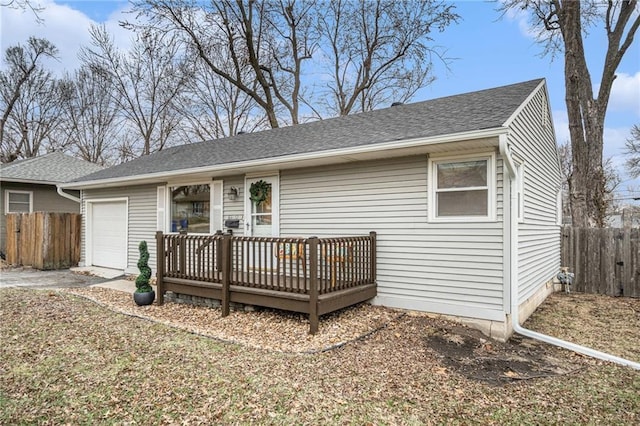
x: 462, y: 188
x: 18, y: 202
x: 190, y: 208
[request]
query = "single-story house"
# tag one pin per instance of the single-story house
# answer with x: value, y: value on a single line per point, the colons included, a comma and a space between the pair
x: 30, y: 185
x: 462, y: 191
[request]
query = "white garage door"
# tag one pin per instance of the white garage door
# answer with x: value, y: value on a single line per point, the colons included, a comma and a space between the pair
x: 109, y: 234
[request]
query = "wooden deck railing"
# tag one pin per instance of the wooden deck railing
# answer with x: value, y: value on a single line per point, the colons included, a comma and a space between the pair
x: 272, y: 270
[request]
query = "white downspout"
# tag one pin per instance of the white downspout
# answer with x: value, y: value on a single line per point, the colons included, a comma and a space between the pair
x: 506, y: 156
x: 68, y: 196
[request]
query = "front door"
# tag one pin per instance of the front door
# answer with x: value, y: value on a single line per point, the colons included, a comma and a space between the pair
x: 262, y: 207
x: 261, y: 220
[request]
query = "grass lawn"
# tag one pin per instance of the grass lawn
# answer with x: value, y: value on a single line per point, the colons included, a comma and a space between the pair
x: 66, y: 360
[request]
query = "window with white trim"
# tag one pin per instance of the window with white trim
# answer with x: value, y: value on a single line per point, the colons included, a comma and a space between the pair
x: 462, y: 188
x: 190, y: 208
x: 18, y: 201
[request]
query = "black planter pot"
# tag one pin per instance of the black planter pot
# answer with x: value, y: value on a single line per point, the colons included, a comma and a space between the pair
x: 143, y: 299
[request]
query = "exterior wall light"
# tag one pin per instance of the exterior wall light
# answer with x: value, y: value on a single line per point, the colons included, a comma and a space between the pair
x: 233, y: 193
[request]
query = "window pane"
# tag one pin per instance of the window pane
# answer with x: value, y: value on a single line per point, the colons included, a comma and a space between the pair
x: 265, y: 206
x: 462, y: 174
x: 190, y: 208
x: 462, y: 203
x: 19, y: 197
x: 262, y: 212
x: 262, y: 220
x: 19, y: 202
x: 18, y: 208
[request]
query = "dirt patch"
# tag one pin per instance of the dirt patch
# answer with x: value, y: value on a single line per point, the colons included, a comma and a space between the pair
x: 469, y: 353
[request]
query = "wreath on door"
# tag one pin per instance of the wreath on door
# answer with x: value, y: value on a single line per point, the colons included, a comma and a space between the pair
x: 259, y: 191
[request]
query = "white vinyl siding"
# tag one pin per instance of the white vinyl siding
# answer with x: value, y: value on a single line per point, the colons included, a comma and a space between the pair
x: 217, y: 200
x: 141, y: 216
x: 161, y: 203
x: 538, y: 232
x: 234, y: 209
x: 452, y: 268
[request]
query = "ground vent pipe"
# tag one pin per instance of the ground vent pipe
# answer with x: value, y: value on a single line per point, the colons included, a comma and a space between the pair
x: 506, y: 155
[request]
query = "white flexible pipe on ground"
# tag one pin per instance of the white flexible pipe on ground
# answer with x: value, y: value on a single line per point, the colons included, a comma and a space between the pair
x: 568, y: 345
x: 506, y: 155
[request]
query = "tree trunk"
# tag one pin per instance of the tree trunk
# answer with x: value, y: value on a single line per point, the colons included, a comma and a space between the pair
x: 585, y: 126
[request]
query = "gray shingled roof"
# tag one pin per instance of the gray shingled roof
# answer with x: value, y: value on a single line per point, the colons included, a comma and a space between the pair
x: 485, y: 109
x: 51, y: 168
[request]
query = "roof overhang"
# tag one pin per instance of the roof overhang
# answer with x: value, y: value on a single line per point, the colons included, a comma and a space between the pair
x: 482, y: 139
x: 29, y: 181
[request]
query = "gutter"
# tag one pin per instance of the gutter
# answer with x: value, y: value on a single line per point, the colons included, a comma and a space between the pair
x: 67, y: 196
x: 347, y: 154
x: 506, y: 155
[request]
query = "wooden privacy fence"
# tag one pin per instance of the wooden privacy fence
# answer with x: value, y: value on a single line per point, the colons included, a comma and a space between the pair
x: 308, y: 275
x: 43, y: 240
x: 604, y: 260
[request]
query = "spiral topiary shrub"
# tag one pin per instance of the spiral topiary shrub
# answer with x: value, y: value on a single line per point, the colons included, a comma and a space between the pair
x: 142, y: 281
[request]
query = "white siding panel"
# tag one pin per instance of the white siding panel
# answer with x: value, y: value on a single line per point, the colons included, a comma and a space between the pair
x: 234, y: 209
x: 142, y: 218
x: 538, y: 234
x: 453, y: 268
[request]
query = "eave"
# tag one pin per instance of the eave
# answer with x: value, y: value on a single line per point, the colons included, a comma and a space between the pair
x: 480, y: 139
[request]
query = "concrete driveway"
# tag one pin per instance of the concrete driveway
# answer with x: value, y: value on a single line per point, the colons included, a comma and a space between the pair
x: 33, y: 278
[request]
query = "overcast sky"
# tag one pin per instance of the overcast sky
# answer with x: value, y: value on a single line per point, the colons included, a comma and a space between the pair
x: 489, y: 52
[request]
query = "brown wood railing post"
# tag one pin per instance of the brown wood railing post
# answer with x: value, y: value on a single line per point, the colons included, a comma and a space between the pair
x: 160, y: 259
x: 313, y: 285
x: 182, y: 256
x: 374, y: 254
x: 226, y: 273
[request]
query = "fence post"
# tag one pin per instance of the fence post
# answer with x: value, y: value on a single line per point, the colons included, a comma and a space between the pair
x: 161, y: 256
x: 374, y: 254
x: 45, y: 235
x: 313, y: 285
x: 226, y: 273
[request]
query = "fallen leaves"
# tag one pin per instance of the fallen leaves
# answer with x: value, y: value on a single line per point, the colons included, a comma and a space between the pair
x: 67, y: 360
x: 262, y: 328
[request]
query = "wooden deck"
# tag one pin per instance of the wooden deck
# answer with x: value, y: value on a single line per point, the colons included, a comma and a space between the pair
x: 308, y: 275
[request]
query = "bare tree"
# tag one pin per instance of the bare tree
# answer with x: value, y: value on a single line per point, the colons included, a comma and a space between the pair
x: 561, y: 26
x: 146, y: 82
x: 36, y: 114
x: 612, y: 180
x: 381, y: 50
x: 263, y: 44
x: 23, y: 62
x: 36, y: 9
x: 91, y: 122
x: 632, y: 150
x: 214, y: 108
